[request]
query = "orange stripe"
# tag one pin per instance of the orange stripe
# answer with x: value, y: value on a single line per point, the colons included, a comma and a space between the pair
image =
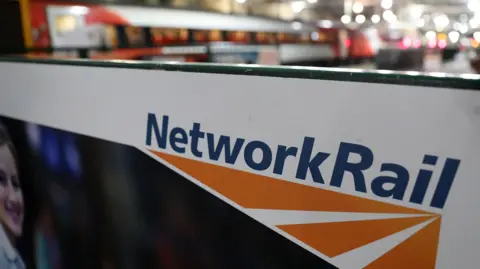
x: 256, y: 191
x: 336, y: 238
x: 26, y: 24
x: 419, y: 251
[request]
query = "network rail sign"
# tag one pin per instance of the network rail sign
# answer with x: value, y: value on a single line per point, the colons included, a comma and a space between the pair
x: 338, y: 213
x: 347, y: 175
x: 307, y: 161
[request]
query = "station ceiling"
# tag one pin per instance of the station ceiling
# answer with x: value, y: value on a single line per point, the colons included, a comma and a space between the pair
x: 455, y: 10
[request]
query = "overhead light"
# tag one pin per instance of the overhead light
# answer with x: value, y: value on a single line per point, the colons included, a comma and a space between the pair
x: 474, y: 22
x: 421, y: 23
x: 357, y: 7
x: 79, y: 10
x: 298, y: 6
x: 346, y: 19
x: 241, y: 1
x: 312, y: 1
x: 325, y: 24
x: 389, y: 16
x: 453, y: 36
x: 416, y: 12
x: 473, y: 5
x: 296, y: 25
x: 463, y: 28
x: 387, y: 4
x: 360, y: 19
x: 431, y: 35
x: 476, y: 36
x: 375, y: 18
x: 441, y: 21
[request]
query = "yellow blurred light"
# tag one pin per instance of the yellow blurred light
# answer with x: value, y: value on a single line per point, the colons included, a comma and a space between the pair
x: 475, y: 43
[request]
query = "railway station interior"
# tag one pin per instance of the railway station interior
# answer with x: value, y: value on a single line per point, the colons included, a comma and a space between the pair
x: 401, y: 35
x: 402, y: 75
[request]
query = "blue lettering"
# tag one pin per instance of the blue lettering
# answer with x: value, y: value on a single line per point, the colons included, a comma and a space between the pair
x: 178, y: 139
x: 152, y: 125
x: 393, y: 184
x: 223, y: 144
x: 423, y: 180
x: 400, y: 182
x: 266, y: 155
x: 445, y: 183
x: 282, y: 153
x: 307, y: 163
x: 196, y: 134
x: 356, y: 169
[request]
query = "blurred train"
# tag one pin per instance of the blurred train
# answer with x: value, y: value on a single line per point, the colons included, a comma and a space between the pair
x: 450, y: 44
x: 403, y: 47
x: 159, y: 34
x: 473, y: 52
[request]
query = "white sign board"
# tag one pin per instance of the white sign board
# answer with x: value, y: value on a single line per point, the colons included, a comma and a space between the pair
x: 360, y: 175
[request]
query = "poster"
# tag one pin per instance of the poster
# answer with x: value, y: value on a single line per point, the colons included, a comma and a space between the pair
x: 149, y: 168
x: 73, y: 201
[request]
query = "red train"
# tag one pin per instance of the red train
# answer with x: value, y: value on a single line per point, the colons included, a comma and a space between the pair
x: 148, y: 33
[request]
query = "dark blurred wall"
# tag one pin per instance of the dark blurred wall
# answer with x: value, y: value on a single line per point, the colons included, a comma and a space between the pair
x: 13, y: 40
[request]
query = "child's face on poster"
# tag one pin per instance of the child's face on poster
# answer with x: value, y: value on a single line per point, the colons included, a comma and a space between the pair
x: 11, y: 197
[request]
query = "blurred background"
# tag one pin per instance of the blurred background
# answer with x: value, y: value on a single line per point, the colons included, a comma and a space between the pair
x: 407, y: 35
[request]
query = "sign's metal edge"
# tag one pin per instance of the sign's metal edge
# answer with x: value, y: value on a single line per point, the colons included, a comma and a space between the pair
x: 438, y: 80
